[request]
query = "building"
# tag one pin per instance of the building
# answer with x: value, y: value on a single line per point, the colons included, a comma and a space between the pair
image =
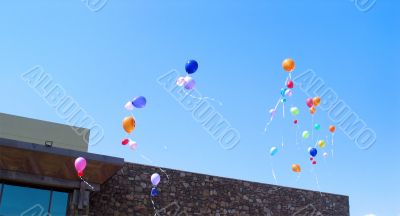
x: 37, y: 177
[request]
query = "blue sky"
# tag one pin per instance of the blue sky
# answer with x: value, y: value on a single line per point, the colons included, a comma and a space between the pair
x: 104, y: 58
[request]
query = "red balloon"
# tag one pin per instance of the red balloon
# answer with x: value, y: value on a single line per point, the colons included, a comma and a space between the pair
x: 125, y: 142
x: 289, y: 84
x: 314, y: 162
x: 311, y: 158
x: 295, y: 121
x: 309, y: 102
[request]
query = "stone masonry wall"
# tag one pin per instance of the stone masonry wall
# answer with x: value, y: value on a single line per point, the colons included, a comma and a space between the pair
x: 127, y: 193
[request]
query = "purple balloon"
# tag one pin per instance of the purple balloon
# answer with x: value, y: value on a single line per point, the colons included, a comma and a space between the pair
x: 155, y: 179
x: 139, y: 102
x: 190, y: 83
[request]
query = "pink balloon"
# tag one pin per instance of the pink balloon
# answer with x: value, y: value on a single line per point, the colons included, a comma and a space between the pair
x: 80, y: 164
x: 132, y: 145
x: 309, y: 102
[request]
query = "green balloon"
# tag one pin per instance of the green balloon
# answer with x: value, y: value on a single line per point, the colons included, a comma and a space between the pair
x: 305, y: 134
x: 317, y: 126
x: 294, y: 110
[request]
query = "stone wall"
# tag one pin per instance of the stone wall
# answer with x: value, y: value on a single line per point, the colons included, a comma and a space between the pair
x: 127, y: 193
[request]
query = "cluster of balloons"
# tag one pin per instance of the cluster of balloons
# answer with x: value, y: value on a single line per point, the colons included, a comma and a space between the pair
x: 129, y: 122
x: 155, y: 180
x: 288, y: 65
x: 312, y: 103
x: 187, y: 81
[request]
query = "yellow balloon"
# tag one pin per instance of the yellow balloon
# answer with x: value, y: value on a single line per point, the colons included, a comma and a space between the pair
x: 288, y: 65
x: 321, y: 144
x: 296, y: 168
x: 129, y: 124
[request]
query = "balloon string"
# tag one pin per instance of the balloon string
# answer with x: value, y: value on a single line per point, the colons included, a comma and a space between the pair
x: 316, y: 180
x: 333, y: 146
x: 163, y: 171
x: 298, y: 177
x: 283, y: 110
x: 205, y: 98
x: 282, y: 142
x: 154, y: 206
x: 91, y: 187
x: 273, y: 170
x: 272, y: 117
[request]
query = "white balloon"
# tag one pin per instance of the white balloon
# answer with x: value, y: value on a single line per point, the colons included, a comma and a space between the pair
x: 325, y: 154
x: 132, y: 145
x: 129, y: 106
x: 181, y: 81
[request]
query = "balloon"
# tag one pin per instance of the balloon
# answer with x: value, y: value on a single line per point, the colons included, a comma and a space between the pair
x: 316, y: 101
x: 289, y: 84
x: 129, y: 106
x: 125, y: 142
x: 288, y: 65
x: 283, y: 100
x: 154, y: 192
x: 155, y: 179
x: 325, y: 154
x: 305, y: 134
x: 317, y: 126
x: 129, y: 124
x: 311, y: 158
x: 273, y: 151
x: 309, y: 102
x: 139, y: 102
x: 296, y: 168
x: 191, y: 66
x: 80, y: 165
x: 313, y: 152
x: 332, y: 128
x: 295, y: 121
x: 314, y: 162
x: 288, y: 93
x: 283, y: 91
x: 189, y: 83
x: 294, y: 110
x: 181, y: 81
x: 312, y: 110
x: 132, y: 145
x: 321, y: 144
x: 309, y: 149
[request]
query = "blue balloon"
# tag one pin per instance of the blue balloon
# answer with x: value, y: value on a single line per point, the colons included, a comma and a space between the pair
x: 191, y: 66
x: 154, y: 192
x: 139, y: 102
x: 283, y: 91
x: 313, y: 152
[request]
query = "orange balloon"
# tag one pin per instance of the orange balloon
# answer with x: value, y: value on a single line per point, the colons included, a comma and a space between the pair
x: 316, y: 101
x: 296, y: 168
x: 288, y: 65
x: 332, y: 128
x: 312, y: 110
x: 129, y: 124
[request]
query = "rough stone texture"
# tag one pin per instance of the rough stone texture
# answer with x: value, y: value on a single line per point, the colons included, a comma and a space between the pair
x: 127, y: 193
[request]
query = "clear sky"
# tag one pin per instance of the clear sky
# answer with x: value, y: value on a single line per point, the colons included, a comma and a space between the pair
x: 104, y: 58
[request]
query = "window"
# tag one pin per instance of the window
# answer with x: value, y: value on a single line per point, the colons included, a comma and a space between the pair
x: 25, y: 201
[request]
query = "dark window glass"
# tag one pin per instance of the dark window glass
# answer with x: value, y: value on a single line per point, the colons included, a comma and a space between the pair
x: 24, y: 201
